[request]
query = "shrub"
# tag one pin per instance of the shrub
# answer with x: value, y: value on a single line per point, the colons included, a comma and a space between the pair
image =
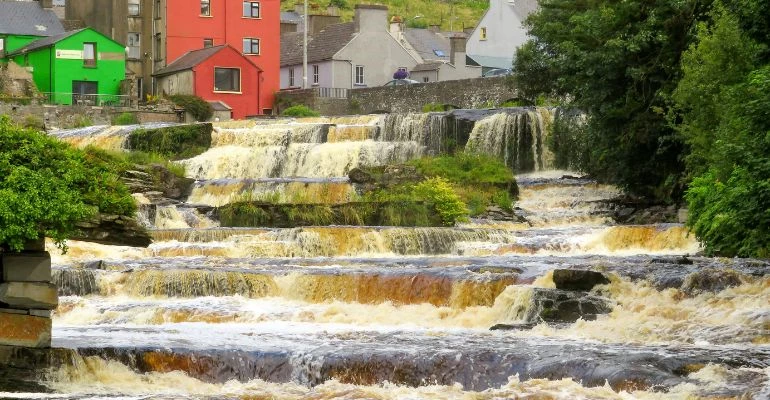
x: 447, y: 203
x: 172, y: 142
x: 47, y: 186
x: 81, y: 121
x: 125, y: 118
x: 433, y: 107
x: 466, y: 168
x: 300, y: 111
x: 197, y: 107
x: 33, y: 122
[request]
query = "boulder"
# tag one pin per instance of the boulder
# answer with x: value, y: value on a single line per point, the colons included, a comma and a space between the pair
x: 114, y: 230
x: 513, y: 327
x: 710, y: 280
x: 359, y: 175
x: 554, y: 305
x: 578, y: 279
x: 26, y: 295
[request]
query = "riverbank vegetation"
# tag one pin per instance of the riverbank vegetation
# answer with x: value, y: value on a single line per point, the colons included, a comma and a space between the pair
x: 47, y: 187
x: 675, y: 100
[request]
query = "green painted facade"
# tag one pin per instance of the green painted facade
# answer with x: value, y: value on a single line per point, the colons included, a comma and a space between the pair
x: 15, y: 42
x: 56, y: 67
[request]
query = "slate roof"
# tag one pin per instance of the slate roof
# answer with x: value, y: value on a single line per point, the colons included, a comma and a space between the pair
x: 45, y: 42
x: 189, y: 60
x: 27, y: 18
x: 322, y: 46
x: 426, y: 42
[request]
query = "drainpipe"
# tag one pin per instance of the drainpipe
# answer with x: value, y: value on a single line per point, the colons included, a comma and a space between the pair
x: 304, y: 50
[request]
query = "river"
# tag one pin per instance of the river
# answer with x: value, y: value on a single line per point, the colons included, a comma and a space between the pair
x: 347, y: 312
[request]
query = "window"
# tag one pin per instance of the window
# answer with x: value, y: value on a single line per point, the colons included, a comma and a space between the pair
x: 133, y: 7
x: 208, y: 42
x: 206, y: 7
x: 158, y: 47
x: 251, y: 9
x: 157, y: 10
x: 2, y: 47
x: 291, y: 77
x: 425, y: 79
x: 483, y: 34
x: 132, y: 43
x: 227, y: 80
x: 89, y: 54
x: 316, y: 74
x: 250, y: 46
x: 439, y: 53
x: 359, y: 74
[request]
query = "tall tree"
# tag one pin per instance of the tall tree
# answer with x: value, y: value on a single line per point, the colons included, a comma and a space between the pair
x: 619, y: 63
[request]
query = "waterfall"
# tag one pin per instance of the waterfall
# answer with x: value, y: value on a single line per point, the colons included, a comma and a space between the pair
x: 518, y: 138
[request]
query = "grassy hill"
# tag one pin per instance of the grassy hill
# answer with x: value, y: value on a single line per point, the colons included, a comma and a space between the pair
x: 454, y: 14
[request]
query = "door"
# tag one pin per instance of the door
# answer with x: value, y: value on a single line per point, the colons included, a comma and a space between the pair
x: 85, y: 93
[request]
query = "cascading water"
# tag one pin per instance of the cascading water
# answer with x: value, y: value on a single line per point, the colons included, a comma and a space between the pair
x: 394, y: 313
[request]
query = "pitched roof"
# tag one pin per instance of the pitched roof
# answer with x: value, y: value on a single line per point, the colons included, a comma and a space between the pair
x: 46, y: 42
x: 28, y: 18
x: 427, y: 43
x: 322, y: 46
x: 523, y: 8
x: 190, y: 60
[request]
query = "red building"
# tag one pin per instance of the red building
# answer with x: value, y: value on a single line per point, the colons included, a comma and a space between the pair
x: 251, y: 27
x: 217, y: 74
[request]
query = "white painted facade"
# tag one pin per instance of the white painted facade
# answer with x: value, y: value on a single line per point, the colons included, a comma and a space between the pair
x: 494, y: 41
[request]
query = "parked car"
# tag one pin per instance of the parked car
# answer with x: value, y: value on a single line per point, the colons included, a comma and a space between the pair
x: 399, y: 82
x: 498, y: 72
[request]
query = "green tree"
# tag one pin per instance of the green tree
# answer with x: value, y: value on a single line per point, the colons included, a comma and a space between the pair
x: 46, y: 187
x: 619, y: 63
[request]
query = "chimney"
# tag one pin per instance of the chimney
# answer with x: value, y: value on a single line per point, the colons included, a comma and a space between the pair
x: 299, y: 8
x: 457, y: 49
x: 46, y: 4
x: 468, y: 30
x: 371, y: 18
x: 319, y: 22
x: 435, y: 28
x: 395, y: 24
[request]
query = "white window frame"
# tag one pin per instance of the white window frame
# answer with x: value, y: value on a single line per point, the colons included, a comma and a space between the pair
x: 2, y: 47
x: 134, y: 46
x: 131, y: 5
x: 251, y: 42
x: 251, y: 7
x: 316, y: 74
x: 361, y: 75
x: 291, y: 77
x: 86, y: 62
x: 240, y: 83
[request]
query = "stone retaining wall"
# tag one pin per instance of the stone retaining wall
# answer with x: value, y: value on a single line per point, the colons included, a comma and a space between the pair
x: 464, y: 93
x: 27, y: 298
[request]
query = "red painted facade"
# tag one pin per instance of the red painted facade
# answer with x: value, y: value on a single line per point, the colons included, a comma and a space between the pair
x: 243, y: 103
x: 186, y: 30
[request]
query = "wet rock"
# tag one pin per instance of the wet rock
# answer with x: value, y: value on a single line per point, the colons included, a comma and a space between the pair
x: 513, y: 327
x: 124, y: 231
x: 76, y: 282
x: 710, y: 280
x: 496, y: 213
x: 26, y: 295
x: 683, y: 260
x: 554, y: 305
x: 25, y: 331
x: 578, y: 279
x: 98, y: 264
x: 358, y: 175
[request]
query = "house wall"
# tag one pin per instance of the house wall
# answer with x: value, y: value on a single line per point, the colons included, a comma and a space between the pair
x: 180, y: 83
x: 15, y: 42
x: 419, y: 75
x: 343, y: 74
x: 186, y: 29
x: 505, y: 32
x: 244, y: 104
x: 326, y: 75
x: 39, y: 63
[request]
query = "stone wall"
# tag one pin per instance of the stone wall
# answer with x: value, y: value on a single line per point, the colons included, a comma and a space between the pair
x: 27, y: 297
x: 464, y: 93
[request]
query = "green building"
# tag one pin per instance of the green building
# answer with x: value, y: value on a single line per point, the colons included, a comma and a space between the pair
x: 76, y: 67
x: 23, y: 22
